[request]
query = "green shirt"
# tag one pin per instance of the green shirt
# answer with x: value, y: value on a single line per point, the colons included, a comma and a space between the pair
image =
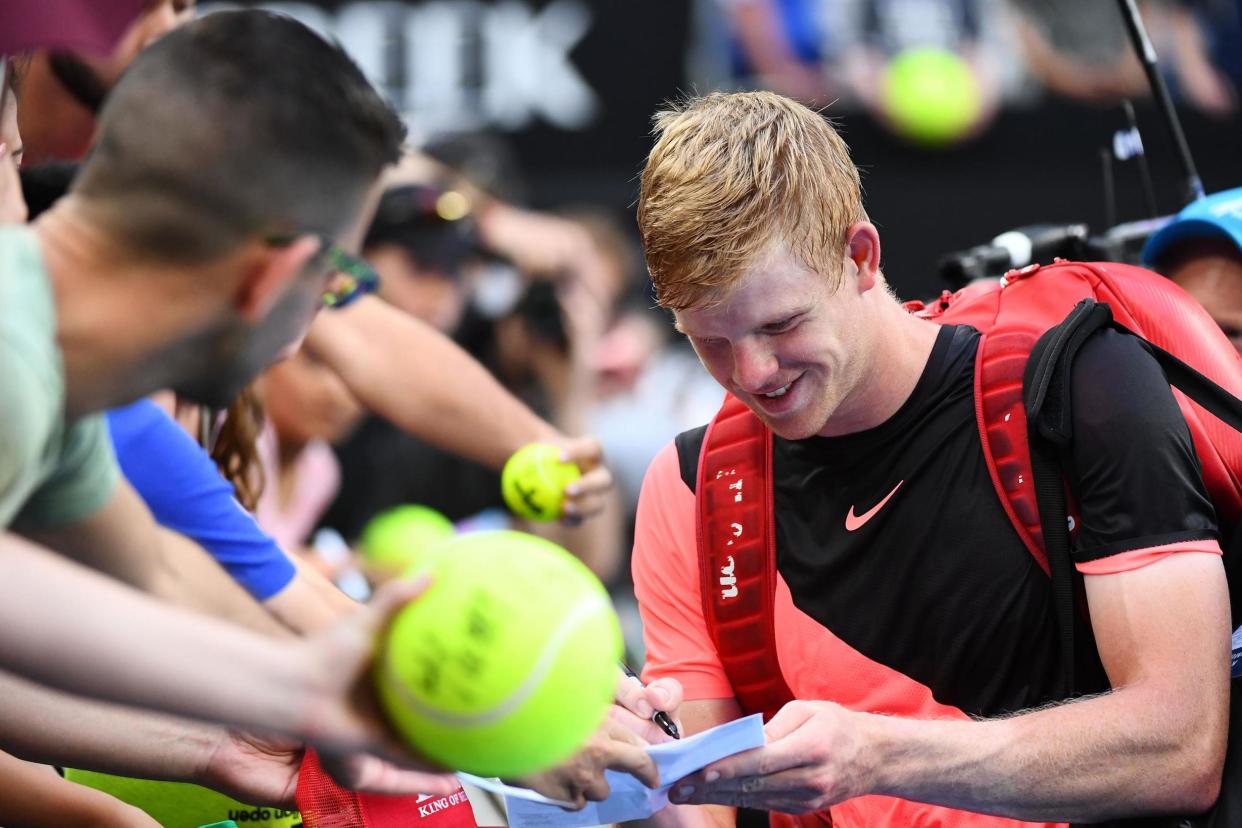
x: 52, y: 473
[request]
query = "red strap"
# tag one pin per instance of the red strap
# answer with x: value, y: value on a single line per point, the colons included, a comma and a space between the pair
x: 737, y: 555
x: 324, y: 804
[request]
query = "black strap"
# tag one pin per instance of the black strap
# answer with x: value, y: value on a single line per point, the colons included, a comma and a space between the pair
x: 1193, y: 384
x: 1046, y: 395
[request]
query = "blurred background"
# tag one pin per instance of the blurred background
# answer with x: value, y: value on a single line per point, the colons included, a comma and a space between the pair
x: 558, y: 97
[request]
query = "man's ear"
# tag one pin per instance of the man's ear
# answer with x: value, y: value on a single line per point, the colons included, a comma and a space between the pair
x: 271, y: 272
x: 862, y: 244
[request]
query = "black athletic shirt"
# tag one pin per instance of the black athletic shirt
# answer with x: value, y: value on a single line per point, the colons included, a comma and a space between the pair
x: 936, y: 583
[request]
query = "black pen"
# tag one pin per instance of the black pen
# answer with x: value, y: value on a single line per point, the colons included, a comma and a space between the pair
x: 659, y: 717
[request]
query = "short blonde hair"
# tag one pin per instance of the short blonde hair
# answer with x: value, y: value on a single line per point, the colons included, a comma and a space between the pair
x: 732, y: 173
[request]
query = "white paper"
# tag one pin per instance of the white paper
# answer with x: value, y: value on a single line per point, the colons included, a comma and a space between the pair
x: 507, y: 791
x: 630, y: 799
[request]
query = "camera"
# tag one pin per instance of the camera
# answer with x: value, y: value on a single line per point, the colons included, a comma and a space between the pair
x: 1042, y: 243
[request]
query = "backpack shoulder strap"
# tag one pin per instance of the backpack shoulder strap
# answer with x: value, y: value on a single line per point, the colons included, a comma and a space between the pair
x: 1046, y: 401
x: 736, y: 534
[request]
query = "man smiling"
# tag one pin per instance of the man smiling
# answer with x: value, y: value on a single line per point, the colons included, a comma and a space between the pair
x: 910, y: 622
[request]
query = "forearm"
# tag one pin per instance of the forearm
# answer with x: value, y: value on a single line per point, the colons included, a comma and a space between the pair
x: 51, y: 727
x: 32, y: 796
x: 1121, y: 754
x: 190, y: 578
x: 113, y: 643
x: 409, y: 373
x: 310, y: 602
x: 123, y: 540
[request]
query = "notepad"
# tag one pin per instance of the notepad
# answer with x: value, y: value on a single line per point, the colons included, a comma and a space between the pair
x: 630, y: 799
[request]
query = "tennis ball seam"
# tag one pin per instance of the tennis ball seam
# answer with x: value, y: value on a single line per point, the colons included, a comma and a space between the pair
x: 582, y: 611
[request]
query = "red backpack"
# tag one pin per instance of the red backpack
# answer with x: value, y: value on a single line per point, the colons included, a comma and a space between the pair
x: 1067, y: 301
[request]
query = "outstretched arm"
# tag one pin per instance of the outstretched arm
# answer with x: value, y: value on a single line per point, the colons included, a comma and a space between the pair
x: 122, y: 539
x: 410, y: 373
x: 405, y: 370
x: 35, y: 795
x: 76, y: 630
x: 48, y: 726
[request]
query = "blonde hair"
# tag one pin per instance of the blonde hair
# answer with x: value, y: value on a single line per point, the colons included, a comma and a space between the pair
x: 732, y: 173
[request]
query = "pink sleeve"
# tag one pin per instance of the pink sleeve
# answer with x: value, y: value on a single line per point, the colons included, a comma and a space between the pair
x: 1139, y: 558
x: 666, y: 583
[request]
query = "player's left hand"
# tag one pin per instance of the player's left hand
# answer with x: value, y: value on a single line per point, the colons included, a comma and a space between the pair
x: 813, y: 758
x: 581, y: 778
x: 588, y: 495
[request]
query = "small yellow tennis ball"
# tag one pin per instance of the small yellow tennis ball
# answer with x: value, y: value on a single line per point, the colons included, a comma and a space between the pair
x: 930, y: 95
x: 507, y: 663
x: 392, y: 540
x: 534, y: 479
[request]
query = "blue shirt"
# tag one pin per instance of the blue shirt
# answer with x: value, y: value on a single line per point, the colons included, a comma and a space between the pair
x: 186, y: 492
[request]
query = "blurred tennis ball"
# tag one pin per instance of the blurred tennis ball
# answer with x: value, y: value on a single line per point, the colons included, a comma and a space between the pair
x: 507, y: 663
x: 930, y: 95
x: 534, y: 479
x: 394, y: 539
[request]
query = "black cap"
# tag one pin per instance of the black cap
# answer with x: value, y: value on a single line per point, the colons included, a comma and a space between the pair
x: 437, y: 226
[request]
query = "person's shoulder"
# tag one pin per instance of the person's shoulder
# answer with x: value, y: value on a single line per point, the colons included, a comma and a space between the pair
x: 1114, y: 360
x: 137, y: 416
x: 1109, y: 344
x: 1117, y: 383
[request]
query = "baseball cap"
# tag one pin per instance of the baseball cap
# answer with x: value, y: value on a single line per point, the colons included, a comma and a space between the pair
x: 437, y: 226
x: 1218, y: 215
x: 92, y: 26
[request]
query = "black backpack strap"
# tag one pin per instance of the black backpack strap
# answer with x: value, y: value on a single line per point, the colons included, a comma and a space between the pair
x: 1210, y: 396
x: 1046, y: 396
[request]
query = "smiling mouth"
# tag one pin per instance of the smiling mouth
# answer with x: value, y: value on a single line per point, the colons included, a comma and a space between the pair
x: 780, y: 392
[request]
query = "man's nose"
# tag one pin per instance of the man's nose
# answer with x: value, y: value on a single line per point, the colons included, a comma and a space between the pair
x: 754, y: 366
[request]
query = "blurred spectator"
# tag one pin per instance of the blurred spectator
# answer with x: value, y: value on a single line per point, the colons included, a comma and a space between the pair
x: 435, y: 246
x: 1201, y: 250
x: 1207, y: 53
x: 784, y: 45
x: 1079, y: 49
x: 640, y: 380
x: 87, y: 25
x: 62, y: 91
x: 12, y: 203
x: 422, y: 260
x: 420, y: 243
x: 307, y: 407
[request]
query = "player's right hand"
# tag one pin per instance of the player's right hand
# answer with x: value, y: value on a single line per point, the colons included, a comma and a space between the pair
x: 613, y: 747
x: 636, y: 703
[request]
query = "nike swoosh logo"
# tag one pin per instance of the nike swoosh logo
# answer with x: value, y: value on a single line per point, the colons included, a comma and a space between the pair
x: 855, y: 522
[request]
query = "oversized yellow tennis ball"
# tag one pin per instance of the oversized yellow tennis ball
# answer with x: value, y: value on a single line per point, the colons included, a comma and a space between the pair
x: 930, y: 95
x: 534, y: 479
x: 507, y: 663
x: 393, y: 539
